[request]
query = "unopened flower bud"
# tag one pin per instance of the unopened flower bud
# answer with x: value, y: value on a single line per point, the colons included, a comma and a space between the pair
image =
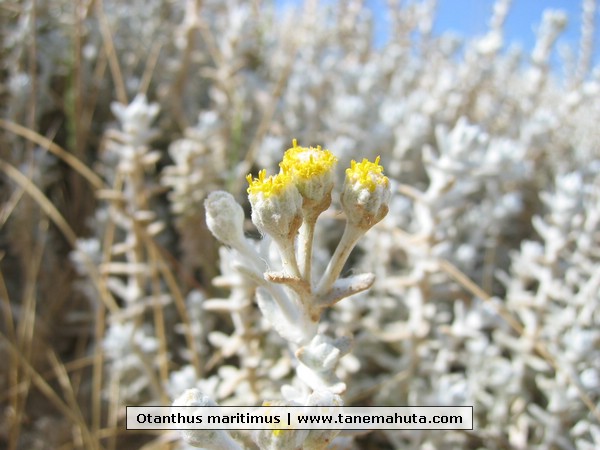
x: 225, y: 218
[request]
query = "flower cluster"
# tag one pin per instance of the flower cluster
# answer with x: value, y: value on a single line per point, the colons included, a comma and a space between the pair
x: 293, y: 199
x: 285, y: 209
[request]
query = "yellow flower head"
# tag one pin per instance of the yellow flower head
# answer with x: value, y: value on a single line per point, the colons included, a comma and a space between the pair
x: 366, y: 193
x: 307, y: 162
x: 367, y: 174
x: 269, y: 186
x: 312, y: 171
x: 276, y: 204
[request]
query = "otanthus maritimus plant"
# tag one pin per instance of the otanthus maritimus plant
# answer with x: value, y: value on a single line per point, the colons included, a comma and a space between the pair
x: 493, y: 146
x: 285, y: 209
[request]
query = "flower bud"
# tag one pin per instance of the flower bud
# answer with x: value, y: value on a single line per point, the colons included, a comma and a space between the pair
x: 366, y: 193
x: 312, y: 172
x: 225, y: 218
x: 276, y: 205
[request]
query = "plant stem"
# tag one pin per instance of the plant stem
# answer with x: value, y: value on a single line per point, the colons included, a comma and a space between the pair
x: 307, y: 233
x: 288, y: 256
x: 351, y: 235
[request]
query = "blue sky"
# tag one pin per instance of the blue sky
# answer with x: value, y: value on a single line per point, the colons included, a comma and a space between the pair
x: 468, y: 18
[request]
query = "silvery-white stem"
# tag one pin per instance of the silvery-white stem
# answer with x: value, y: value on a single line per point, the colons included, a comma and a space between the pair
x: 307, y: 232
x: 351, y: 235
x: 288, y: 256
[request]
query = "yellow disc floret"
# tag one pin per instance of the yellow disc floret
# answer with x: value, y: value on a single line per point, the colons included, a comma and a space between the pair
x: 307, y: 162
x: 268, y: 186
x: 367, y: 174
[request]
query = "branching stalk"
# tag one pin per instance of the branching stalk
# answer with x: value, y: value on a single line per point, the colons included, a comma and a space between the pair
x: 351, y: 235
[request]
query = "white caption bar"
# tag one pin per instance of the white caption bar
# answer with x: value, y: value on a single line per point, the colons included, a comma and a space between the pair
x: 299, y: 418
